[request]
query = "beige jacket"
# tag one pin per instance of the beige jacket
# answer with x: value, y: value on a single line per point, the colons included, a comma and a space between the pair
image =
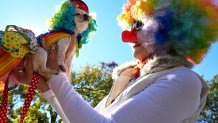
x: 123, y: 90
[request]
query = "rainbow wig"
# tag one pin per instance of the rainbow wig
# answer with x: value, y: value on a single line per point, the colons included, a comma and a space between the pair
x: 188, y: 26
x: 63, y: 21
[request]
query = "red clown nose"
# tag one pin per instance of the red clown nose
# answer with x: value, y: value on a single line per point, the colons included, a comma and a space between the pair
x: 129, y: 36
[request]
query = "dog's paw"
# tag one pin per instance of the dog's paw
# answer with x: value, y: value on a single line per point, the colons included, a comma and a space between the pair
x: 56, y: 72
x: 62, y: 68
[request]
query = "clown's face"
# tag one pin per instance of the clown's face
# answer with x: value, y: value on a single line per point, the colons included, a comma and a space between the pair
x: 140, y: 52
x: 81, y: 19
x: 146, y: 35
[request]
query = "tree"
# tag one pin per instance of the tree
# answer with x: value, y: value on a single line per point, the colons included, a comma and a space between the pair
x: 35, y: 113
x: 92, y: 82
x: 210, y: 111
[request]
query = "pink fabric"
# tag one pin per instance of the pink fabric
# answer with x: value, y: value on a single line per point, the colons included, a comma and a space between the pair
x: 12, y: 79
x: 4, y: 78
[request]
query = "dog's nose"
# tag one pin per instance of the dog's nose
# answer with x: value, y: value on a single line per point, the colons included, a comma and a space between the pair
x: 85, y: 17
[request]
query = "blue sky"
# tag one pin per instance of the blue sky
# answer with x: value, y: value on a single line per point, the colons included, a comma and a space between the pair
x: 106, y: 45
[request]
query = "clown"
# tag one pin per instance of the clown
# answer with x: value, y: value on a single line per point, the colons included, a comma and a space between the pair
x: 168, y: 37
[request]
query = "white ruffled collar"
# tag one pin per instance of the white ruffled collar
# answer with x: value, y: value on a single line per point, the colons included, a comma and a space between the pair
x: 157, y: 63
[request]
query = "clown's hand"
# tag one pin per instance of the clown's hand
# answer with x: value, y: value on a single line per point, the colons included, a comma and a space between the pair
x: 24, y: 73
x: 24, y: 70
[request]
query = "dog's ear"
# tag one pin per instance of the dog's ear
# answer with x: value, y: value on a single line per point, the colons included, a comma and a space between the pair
x: 11, y: 28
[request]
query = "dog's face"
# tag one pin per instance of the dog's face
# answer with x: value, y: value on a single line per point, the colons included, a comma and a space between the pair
x: 81, y: 19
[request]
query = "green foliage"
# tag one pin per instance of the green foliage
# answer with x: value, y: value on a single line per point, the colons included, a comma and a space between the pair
x: 92, y: 82
x: 210, y: 112
x: 39, y: 112
x: 35, y: 113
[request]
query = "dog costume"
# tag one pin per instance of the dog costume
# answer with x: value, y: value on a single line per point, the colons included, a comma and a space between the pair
x: 15, y: 43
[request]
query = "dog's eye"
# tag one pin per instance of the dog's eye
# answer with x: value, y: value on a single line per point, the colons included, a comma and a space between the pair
x: 82, y: 17
x: 86, y: 17
x: 77, y: 14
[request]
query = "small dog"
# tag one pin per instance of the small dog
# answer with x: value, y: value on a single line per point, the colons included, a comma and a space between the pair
x: 64, y: 59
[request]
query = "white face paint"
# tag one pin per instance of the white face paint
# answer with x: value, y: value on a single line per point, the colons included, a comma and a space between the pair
x: 81, y: 24
x: 146, y: 36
